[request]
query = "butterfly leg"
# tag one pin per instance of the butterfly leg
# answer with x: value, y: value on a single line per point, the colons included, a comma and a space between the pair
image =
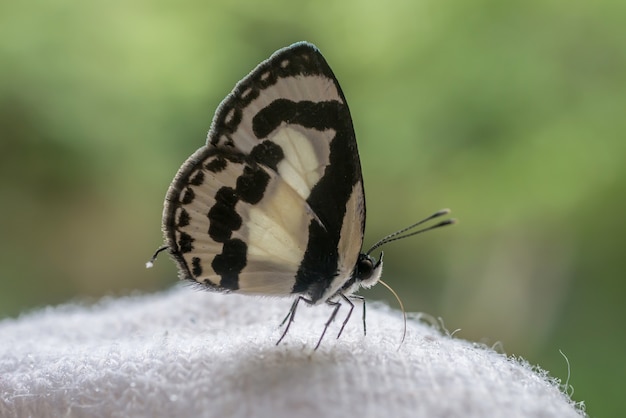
x: 345, y: 321
x: 293, y: 308
x: 336, y: 306
x: 291, y: 316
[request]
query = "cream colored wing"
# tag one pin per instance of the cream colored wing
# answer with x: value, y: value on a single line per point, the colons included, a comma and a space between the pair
x: 274, y: 203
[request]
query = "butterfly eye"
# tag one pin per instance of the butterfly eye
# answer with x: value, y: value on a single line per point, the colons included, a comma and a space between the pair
x: 364, y: 267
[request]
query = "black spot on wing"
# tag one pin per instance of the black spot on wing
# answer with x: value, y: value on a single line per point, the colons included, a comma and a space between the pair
x: 223, y: 218
x: 216, y: 164
x: 251, y: 184
x: 232, y: 119
x: 185, y: 242
x: 218, y: 158
x: 197, y: 178
x: 266, y: 153
x: 188, y: 196
x: 230, y: 262
x: 183, y: 218
x: 196, y: 268
x: 272, y: 116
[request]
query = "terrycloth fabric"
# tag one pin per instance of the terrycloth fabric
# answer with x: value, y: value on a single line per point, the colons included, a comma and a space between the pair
x: 185, y: 353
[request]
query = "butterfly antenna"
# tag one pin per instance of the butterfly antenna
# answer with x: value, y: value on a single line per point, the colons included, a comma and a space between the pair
x: 398, y: 234
x: 150, y: 262
x: 401, y: 307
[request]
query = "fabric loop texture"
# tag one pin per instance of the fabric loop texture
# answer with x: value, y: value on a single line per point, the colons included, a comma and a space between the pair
x: 185, y: 353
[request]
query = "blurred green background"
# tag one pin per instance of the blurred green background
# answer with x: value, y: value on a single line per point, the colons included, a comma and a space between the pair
x: 512, y: 113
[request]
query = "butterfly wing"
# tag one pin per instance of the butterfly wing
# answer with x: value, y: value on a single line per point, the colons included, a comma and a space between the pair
x: 273, y: 204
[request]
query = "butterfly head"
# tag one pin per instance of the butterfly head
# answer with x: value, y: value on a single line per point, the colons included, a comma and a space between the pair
x: 368, y: 270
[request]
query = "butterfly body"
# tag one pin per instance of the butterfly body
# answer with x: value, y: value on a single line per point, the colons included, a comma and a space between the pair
x: 273, y: 204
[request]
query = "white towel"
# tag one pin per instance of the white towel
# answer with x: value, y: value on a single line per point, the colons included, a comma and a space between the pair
x: 186, y: 353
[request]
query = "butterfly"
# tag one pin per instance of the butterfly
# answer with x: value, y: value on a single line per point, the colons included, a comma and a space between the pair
x: 274, y: 203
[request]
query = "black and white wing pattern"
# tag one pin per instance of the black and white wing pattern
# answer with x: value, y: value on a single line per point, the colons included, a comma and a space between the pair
x: 273, y: 204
